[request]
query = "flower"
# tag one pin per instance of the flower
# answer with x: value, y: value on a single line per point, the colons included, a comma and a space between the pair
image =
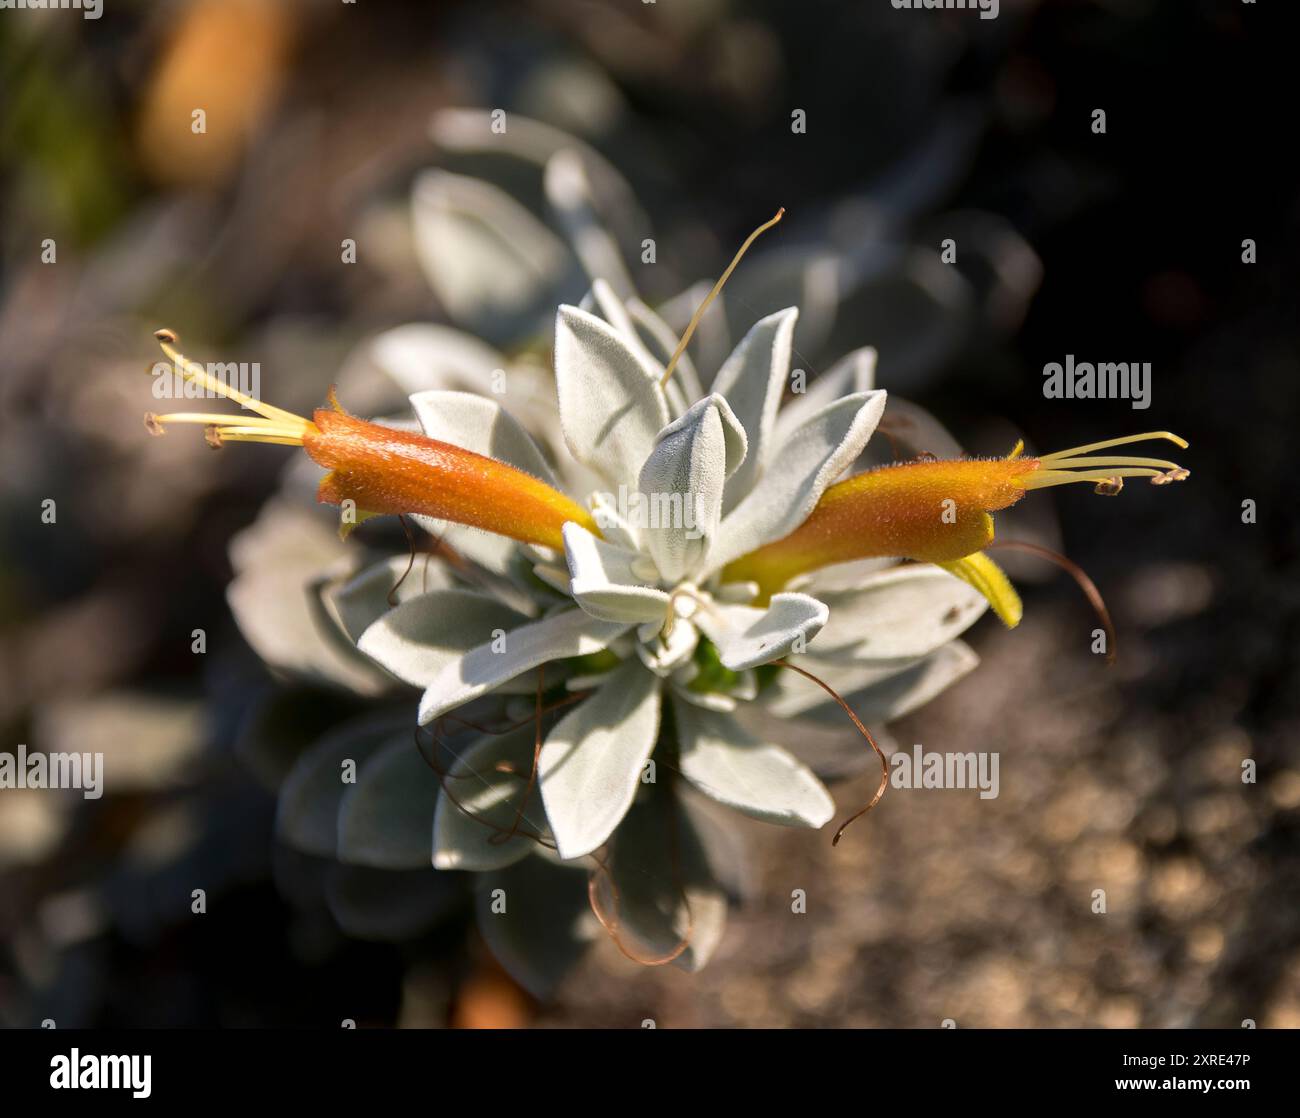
x: 938, y: 512
x: 644, y: 620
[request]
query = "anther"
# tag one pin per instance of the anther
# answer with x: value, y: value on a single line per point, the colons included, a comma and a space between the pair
x: 1110, y: 487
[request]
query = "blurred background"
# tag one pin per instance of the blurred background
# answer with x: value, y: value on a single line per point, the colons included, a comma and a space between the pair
x: 334, y: 123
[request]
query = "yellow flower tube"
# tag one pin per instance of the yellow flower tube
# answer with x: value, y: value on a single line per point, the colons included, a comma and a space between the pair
x: 938, y: 511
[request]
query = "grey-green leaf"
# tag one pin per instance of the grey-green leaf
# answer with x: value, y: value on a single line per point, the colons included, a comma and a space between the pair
x: 535, y: 917
x: 307, y: 811
x: 729, y: 765
x: 480, y: 802
x: 590, y: 766
x: 385, y: 818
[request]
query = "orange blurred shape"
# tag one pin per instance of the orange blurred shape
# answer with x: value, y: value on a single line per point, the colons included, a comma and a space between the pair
x: 224, y: 58
x: 490, y: 999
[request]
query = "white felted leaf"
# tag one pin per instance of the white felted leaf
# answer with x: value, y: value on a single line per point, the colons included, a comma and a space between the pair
x: 813, y: 455
x: 308, y: 806
x: 661, y: 890
x: 611, y: 407
x: 662, y: 654
x: 607, y: 582
x: 907, y: 611
x: 610, y: 307
x: 489, y: 550
x: 603, y: 300
x: 389, y: 905
x: 546, y: 925
x: 842, y: 576
x: 421, y: 637
x: 491, y: 797
x: 854, y: 372
x: 711, y: 343
x: 752, y: 379
x: 421, y: 356
x: 811, y: 277
x: 470, y: 131
x: 590, y: 767
x: 569, y: 193
x: 482, y: 425
x: 614, y: 526
x: 730, y: 765
x: 481, y: 251
x: 556, y: 577
x: 385, y: 817
x: 570, y: 633
x: 718, y: 701
x: 916, y: 431
x: 279, y: 611
x: 681, y: 485
x: 660, y: 340
x: 364, y: 598
x: 746, y: 637
x: 878, y: 694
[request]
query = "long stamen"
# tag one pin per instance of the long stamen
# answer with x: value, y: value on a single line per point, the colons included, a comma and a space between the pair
x: 207, y: 418
x: 1041, y: 479
x: 704, y: 306
x: 1078, y: 465
x: 1090, y: 461
x: 217, y: 436
x: 269, y: 425
x: 1122, y: 441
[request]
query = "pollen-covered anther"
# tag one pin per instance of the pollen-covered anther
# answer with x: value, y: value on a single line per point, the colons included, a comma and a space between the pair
x: 1111, y: 487
x: 1178, y: 473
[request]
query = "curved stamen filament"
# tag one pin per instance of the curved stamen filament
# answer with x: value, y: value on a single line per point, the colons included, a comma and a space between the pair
x: 704, y: 306
x: 1078, y: 464
x: 207, y: 419
x: 1090, y: 461
x: 1122, y: 441
x: 269, y: 425
x: 217, y: 435
x: 1041, y: 479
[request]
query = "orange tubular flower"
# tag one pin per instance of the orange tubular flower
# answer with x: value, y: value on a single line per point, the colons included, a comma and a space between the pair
x: 386, y: 471
x: 935, y: 511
